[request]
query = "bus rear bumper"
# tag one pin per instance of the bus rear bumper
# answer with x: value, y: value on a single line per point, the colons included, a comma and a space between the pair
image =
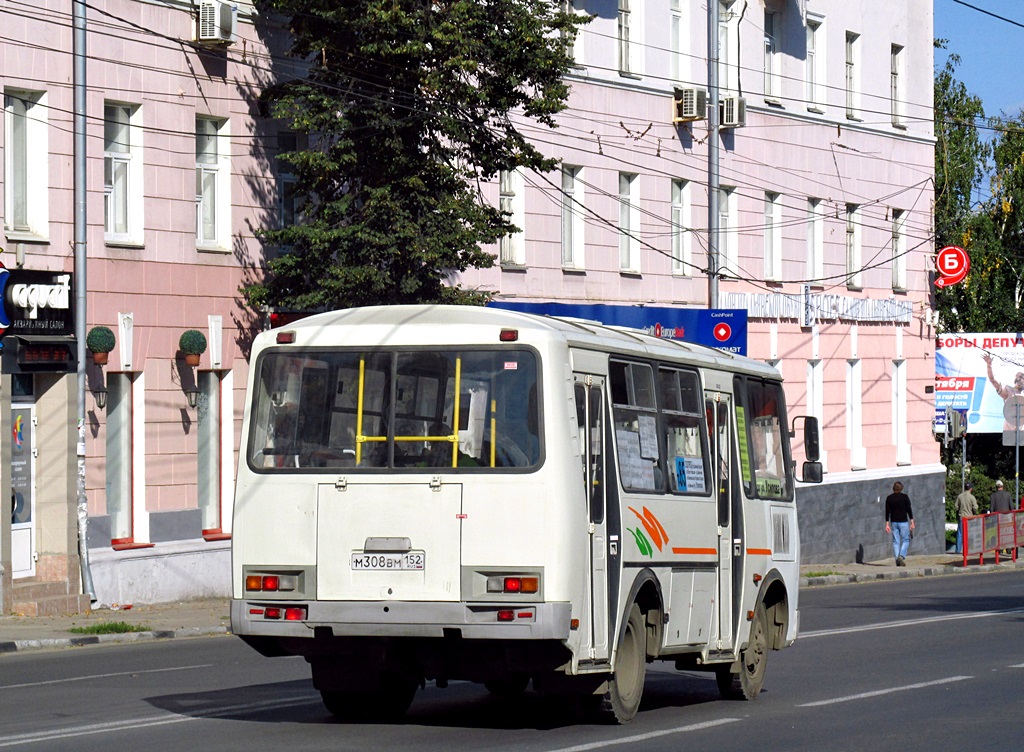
x: 473, y: 621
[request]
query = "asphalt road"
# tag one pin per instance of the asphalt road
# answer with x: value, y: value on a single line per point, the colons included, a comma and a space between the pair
x: 908, y: 665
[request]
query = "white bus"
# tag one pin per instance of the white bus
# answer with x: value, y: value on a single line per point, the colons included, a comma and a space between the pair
x: 433, y: 493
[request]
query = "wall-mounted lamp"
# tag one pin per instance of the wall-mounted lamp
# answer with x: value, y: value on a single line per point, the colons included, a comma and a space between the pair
x: 192, y: 395
x: 100, y: 395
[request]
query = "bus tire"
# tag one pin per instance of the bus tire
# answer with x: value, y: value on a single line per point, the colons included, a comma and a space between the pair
x: 621, y: 701
x: 746, y: 683
x: 388, y: 702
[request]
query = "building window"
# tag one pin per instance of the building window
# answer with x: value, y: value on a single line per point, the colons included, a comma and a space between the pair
x: 728, y: 47
x: 854, y: 416
x: 728, y: 233
x: 122, y: 174
x: 628, y: 46
x: 853, y: 256
x: 26, y: 163
x: 572, y: 217
x: 289, y: 208
x: 771, y: 57
x: 814, y: 65
x: 895, y: 86
x: 815, y: 242
x: 852, y: 80
x: 772, y: 236
x: 629, y: 223
x: 511, y: 204
x: 677, y: 30
x: 213, y: 198
x: 568, y: 6
x: 682, y: 241
x: 900, y: 419
x: 899, y: 250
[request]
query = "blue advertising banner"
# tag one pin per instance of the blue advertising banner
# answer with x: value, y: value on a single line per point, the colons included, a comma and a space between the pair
x: 724, y: 329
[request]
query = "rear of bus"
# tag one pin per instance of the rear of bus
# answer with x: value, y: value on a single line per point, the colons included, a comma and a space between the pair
x: 391, y: 515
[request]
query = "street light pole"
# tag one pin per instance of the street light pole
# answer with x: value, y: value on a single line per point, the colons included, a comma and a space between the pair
x: 714, y: 230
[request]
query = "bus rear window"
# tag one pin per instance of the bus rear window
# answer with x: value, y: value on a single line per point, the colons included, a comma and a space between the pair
x: 458, y: 409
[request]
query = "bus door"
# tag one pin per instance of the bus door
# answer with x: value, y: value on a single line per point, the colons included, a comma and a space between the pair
x: 589, y: 392
x: 719, y: 408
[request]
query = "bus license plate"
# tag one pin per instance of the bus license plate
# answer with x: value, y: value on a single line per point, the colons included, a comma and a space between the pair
x: 408, y: 560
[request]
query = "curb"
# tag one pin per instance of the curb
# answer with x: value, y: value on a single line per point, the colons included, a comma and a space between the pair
x: 14, y: 646
x: 936, y: 571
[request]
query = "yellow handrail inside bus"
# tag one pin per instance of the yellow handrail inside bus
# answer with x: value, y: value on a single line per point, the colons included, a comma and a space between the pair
x: 494, y: 430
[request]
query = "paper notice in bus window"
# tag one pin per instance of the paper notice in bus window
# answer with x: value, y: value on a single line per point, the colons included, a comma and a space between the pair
x: 636, y: 471
x: 690, y: 475
x: 511, y: 366
x: 648, y: 437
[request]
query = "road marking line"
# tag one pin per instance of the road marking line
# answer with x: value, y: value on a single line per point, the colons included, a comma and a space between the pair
x: 104, y: 676
x: 645, y: 737
x: 908, y: 623
x: 155, y: 720
x: 879, y: 692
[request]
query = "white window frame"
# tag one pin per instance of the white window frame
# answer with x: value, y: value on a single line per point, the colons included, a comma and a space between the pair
x: 629, y: 222
x: 814, y: 64
x: 630, y: 37
x: 123, y: 162
x: 27, y: 153
x: 213, y: 176
x: 573, y: 202
x: 728, y: 48
x: 852, y: 78
x: 896, y: 85
x: 815, y: 241
x: 511, y: 201
x: 728, y: 232
x: 569, y: 6
x: 772, y: 58
x: 772, y: 236
x: 289, y: 209
x: 682, y: 235
x: 899, y: 250
x: 679, y: 43
x: 854, y: 271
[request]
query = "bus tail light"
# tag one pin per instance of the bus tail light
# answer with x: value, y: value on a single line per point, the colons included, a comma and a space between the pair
x: 514, y: 584
x: 271, y: 583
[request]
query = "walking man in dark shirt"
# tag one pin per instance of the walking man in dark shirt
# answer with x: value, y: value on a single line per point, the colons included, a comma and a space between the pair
x: 899, y: 520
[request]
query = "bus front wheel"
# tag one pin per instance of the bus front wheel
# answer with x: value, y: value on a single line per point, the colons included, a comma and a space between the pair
x: 746, y: 683
x: 621, y: 701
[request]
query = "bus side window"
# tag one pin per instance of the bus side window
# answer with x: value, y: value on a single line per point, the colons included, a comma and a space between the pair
x: 636, y: 421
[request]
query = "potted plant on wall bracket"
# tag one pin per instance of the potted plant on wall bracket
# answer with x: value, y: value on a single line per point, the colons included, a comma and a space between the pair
x: 100, y: 341
x: 193, y: 344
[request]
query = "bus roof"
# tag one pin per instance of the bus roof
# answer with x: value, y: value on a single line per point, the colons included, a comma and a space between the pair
x: 403, y: 325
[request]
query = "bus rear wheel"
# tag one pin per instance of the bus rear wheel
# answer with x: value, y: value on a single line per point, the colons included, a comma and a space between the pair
x: 388, y: 702
x: 746, y: 683
x: 621, y: 701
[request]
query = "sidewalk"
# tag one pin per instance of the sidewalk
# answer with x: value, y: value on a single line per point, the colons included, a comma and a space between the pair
x: 211, y: 617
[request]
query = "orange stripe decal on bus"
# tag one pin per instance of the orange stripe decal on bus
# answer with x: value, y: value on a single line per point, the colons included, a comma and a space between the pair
x: 707, y: 551
x: 759, y: 551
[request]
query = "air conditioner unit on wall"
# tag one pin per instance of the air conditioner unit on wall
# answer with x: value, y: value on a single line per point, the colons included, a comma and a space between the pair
x: 217, y: 22
x: 689, y: 103
x: 734, y: 112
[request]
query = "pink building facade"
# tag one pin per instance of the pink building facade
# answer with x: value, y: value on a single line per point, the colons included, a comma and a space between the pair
x: 826, y: 243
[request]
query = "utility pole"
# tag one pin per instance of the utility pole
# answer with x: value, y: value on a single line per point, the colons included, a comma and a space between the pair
x: 714, y: 231
x: 80, y: 230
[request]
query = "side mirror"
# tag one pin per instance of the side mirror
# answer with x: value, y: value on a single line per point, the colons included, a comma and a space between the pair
x: 812, y: 442
x: 811, y: 472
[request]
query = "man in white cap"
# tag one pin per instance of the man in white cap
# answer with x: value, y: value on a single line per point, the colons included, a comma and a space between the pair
x: 1000, y: 501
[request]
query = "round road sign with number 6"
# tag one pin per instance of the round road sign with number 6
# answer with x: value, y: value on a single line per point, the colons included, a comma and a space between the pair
x: 953, y: 263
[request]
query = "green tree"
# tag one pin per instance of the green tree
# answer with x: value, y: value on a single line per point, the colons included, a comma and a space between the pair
x: 408, y: 106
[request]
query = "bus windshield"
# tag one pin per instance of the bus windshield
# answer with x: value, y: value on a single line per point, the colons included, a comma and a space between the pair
x: 763, y: 442
x: 460, y: 409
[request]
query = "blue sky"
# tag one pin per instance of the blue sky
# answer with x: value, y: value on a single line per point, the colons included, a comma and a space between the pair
x: 991, y: 50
